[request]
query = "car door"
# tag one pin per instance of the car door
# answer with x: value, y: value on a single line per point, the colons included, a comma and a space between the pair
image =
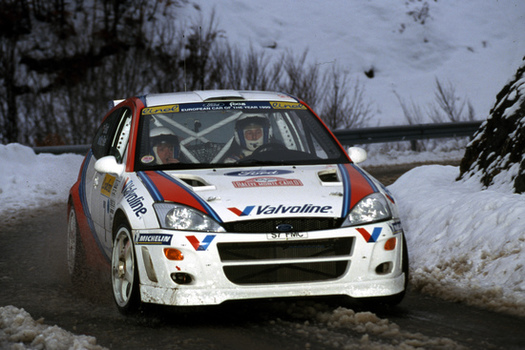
x: 111, y: 139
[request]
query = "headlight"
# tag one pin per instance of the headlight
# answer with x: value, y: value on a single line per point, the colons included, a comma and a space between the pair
x: 179, y: 217
x: 372, y: 208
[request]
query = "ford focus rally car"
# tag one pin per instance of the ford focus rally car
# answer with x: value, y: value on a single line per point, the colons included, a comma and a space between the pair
x: 201, y: 197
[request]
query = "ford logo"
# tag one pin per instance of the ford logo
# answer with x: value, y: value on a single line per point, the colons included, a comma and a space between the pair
x: 284, y: 227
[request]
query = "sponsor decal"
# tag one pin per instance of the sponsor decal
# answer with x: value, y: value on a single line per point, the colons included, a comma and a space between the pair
x: 115, y: 187
x: 287, y: 105
x: 112, y: 205
x: 200, y: 246
x: 134, y: 201
x: 147, y: 159
x: 223, y: 106
x: 245, y: 212
x: 266, y: 172
x: 370, y: 238
x: 282, y: 209
x: 107, y: 185
x: 238, y: 104
x: 286, y: 235
x: 112, y: 202
x: 160, y: 109
x: 396, y: 227
x: 267, y: 182
x: 388, y: 194
x: 152, y: 238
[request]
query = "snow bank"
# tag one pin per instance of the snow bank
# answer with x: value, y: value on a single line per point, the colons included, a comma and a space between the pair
x: 465, y: 243
x: 28, y: 180
x: 18, y: 330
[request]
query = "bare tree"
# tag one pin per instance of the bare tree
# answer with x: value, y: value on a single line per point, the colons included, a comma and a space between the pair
x: 199, y: 45
x: 303, y: 79
x: 412, y: 112
x: 448, y: 106
x: 114, y: 49
x: 343, y: 105
x: 14, y: 24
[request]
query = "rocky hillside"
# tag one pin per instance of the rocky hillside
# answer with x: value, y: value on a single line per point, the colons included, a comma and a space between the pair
x: 496, y: 153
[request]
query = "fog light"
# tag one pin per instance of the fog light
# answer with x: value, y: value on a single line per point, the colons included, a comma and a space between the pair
x: 384, y: 268
x: 173, y: 254
x: 181, y: 278
x: 391, y: 244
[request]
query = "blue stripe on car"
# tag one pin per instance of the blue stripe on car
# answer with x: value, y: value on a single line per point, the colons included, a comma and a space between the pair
x: 346, y: 190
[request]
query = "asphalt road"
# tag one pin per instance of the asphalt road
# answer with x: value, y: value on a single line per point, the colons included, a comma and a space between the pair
x: 33, y: 276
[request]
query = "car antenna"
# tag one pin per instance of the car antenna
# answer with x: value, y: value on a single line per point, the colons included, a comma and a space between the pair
x: 184, y: 64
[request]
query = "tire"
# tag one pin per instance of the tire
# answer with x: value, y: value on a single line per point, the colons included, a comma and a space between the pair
x: 75, y: 250
x: 124, y: 273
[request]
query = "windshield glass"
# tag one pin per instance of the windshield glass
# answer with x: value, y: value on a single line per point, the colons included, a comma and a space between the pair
x: 232, y: 134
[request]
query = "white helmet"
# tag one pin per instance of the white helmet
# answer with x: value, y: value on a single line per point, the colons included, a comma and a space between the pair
x: 252, y: 121
x: 161, y: 135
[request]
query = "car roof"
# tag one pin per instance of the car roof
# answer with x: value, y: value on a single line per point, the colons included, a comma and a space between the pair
x: 215, y: 96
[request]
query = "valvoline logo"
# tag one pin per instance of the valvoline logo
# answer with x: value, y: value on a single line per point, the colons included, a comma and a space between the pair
x: 200, y: 246
x: 370, y: 237
x: 281, y: 209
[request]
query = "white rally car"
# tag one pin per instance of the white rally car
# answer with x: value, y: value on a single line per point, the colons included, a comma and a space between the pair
x: 201, y: 197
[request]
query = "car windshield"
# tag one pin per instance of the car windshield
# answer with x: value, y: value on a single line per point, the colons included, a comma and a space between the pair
x: 228, y: 134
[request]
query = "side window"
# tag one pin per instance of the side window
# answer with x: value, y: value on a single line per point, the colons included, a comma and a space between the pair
x: 120, y: 141
x: 104, y: 137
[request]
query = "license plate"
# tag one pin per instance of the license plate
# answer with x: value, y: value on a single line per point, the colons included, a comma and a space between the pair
x: 286, y: 235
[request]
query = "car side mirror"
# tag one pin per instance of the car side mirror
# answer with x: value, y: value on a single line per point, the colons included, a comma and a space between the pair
x: 357, y: 154
x: 109, y: 165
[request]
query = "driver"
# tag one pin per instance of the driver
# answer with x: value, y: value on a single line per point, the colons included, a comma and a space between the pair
x: 165, y: 145
x: 251, y: 132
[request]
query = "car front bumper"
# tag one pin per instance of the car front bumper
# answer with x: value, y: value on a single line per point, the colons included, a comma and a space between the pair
x: 352, y: 261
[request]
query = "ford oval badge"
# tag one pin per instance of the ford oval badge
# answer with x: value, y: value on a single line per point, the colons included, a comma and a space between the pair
x: 284, y: 227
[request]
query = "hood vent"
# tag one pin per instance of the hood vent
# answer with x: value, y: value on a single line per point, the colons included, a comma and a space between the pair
x: 329, y: 176
x: 195, y: 182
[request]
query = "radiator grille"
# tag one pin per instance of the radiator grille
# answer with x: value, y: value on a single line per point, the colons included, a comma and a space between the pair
x: 292, y: 249
x: 270, y: 225
x: 286, y: 272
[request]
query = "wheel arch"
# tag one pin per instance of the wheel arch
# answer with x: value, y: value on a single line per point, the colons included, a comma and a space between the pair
x: 119, y: 219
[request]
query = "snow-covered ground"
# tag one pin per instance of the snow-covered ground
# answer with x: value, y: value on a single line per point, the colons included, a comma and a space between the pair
x: 474, y: 45
x: 465, y: 243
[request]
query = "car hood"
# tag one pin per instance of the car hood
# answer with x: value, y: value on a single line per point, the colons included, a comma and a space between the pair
x: 235, y: 194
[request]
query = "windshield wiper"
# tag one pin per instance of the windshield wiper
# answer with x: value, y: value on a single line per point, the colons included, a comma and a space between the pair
x: 252, y: 161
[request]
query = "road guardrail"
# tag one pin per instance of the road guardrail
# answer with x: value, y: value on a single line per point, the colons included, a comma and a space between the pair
x: 352, y: 137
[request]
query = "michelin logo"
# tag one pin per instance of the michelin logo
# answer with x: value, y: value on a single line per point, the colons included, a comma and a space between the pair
x: 148, y: 238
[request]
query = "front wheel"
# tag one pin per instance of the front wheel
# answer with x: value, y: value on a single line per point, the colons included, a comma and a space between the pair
x: 75, y: 249
x: 124, y: 274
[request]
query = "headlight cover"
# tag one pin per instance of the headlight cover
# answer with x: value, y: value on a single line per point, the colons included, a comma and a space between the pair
x: 179, y: 217
x: 370, y: 209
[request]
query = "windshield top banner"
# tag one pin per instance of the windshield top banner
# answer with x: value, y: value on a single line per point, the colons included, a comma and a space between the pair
x: 221, y: 106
